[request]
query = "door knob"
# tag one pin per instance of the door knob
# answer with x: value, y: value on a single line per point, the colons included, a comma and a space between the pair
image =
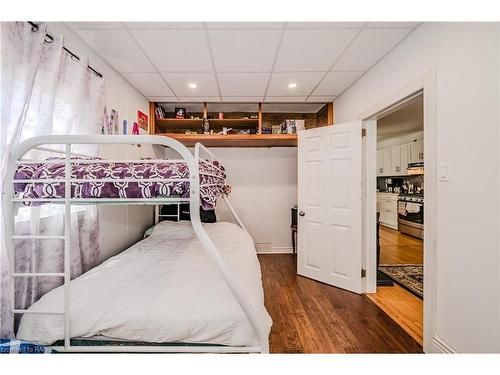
x: 302, y: 213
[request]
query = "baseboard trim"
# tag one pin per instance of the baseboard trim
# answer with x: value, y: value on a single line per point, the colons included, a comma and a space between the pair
x: 275, y: 250
x: 442, y: 346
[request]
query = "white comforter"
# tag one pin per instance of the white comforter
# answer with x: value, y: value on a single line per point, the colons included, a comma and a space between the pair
x: 163, y: 289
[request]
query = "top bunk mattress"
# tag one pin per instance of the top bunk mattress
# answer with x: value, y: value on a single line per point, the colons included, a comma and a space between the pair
x: 212, y: 180
x: 164, y: 289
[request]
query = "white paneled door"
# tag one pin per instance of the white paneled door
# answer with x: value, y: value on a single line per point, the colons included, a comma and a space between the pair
x: 329, y: 243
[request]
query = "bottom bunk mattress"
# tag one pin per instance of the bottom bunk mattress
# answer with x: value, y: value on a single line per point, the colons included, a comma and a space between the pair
x: 162, y: 289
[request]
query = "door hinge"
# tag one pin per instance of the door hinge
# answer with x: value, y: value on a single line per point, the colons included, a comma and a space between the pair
x: 363, y: 272
x: 363, y: 132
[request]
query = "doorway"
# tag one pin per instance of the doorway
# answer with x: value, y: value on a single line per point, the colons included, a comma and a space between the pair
x: 425, y: 85
x: 400, y: 201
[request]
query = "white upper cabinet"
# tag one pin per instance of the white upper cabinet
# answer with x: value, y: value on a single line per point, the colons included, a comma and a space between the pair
x: 384, y: 162
x: 416, y: 153
x: 394, y: 160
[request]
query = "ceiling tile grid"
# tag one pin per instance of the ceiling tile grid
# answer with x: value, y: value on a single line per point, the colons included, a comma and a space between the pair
x: 242, y: 61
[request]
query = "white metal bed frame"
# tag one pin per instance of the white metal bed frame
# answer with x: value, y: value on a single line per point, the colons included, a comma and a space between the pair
x: 9, y: 201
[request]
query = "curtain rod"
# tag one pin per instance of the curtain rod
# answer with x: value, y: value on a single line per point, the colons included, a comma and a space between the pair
x: 35, y: 27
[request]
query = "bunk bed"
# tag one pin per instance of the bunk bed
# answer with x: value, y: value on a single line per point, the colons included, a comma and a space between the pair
x: 188, y: 287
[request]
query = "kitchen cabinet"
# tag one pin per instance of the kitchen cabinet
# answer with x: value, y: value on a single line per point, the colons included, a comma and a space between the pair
x: 399, y: 160
x: 384, y: 162
x: 416, y: 153
x: 387, y: 205
x: 380, y: 163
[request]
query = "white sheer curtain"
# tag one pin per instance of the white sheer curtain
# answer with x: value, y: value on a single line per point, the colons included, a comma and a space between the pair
x: 45, y: 91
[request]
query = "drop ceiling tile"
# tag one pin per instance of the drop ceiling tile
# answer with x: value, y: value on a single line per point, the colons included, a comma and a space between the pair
x: 96, y: 25
x: 336, y: 82
x: 242, y: 84
x: 206, y: 82
x: 175, y: 50
x: 370, y: 46
x: 149, y: 84
x: 321, y: 99
x: 245, y: 25
x: 163, y: 99
x: 325, y: 25
x: 312, y: 50
x: 164, y: 25
x: 244, y: 50
x: 118, y: 48
x: 200, y: 98
x: 388, y: 25
x: 285, y: 99
x: 245, y: 99
x: 306, y: 81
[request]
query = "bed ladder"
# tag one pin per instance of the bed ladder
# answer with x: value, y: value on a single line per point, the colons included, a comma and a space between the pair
x: 66, y: 274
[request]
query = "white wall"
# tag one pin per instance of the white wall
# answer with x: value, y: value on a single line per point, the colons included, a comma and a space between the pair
x: 264, y: 189
x: 121, y: 226
x: 466, y: 61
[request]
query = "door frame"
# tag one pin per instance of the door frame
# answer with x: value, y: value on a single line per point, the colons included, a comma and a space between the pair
x: 427, y: 85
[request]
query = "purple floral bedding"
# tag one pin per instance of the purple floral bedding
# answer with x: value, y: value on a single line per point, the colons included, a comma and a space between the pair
x: 212, y: 180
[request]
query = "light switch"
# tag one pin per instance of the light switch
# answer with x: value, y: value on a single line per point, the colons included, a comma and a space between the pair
x: 444, y: 172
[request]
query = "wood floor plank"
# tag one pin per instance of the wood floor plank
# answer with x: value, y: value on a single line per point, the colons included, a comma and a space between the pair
x: 401, y: 305
x: 311, y: 317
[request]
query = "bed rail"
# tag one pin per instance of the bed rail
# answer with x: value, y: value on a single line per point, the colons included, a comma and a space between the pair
x: 9, y: 201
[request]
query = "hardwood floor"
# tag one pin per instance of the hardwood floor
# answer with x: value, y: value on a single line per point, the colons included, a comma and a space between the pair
x: 401, y: 305
x: 311, y: 317
x: 398, y: 248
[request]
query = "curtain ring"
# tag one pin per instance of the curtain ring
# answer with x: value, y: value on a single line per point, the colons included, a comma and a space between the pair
x: 34, y: 27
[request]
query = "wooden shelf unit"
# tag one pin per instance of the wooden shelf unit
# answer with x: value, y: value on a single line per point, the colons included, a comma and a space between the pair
x: 236, y: 140
x: 175, y: 128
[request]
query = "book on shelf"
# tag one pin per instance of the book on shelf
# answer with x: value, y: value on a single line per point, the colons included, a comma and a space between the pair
x: 159, y: 113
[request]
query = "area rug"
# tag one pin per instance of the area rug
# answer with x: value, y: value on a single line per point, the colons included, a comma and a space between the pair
x: 409, y: 276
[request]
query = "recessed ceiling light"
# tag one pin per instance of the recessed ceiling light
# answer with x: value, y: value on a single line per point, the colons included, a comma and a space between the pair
x: 193, y: 85
x: 292, y: 85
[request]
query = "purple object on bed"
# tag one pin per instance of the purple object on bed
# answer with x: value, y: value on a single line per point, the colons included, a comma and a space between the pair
x: 212, y: 180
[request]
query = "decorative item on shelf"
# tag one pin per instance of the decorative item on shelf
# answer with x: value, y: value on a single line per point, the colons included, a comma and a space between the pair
x: 142, y: 120
x: 135, y: 131
x: 194, y: 118
x: 160, y: 115
x: 290, y: 126
x: 224, y: 131
x: 253, y: 131
x: 180, y: 112
x: 125, y: 126
x: 221, y: 116
x: 300, y: 125
x: 267, y: 130
x: 254, y: 117
x: 276, y: 129
x: 105, y: 122
x: 206, y: 126
x: 114, y: 121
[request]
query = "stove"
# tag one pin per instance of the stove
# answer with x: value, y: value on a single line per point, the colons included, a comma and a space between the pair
x: 417, y: 198
x: 411, y: 214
